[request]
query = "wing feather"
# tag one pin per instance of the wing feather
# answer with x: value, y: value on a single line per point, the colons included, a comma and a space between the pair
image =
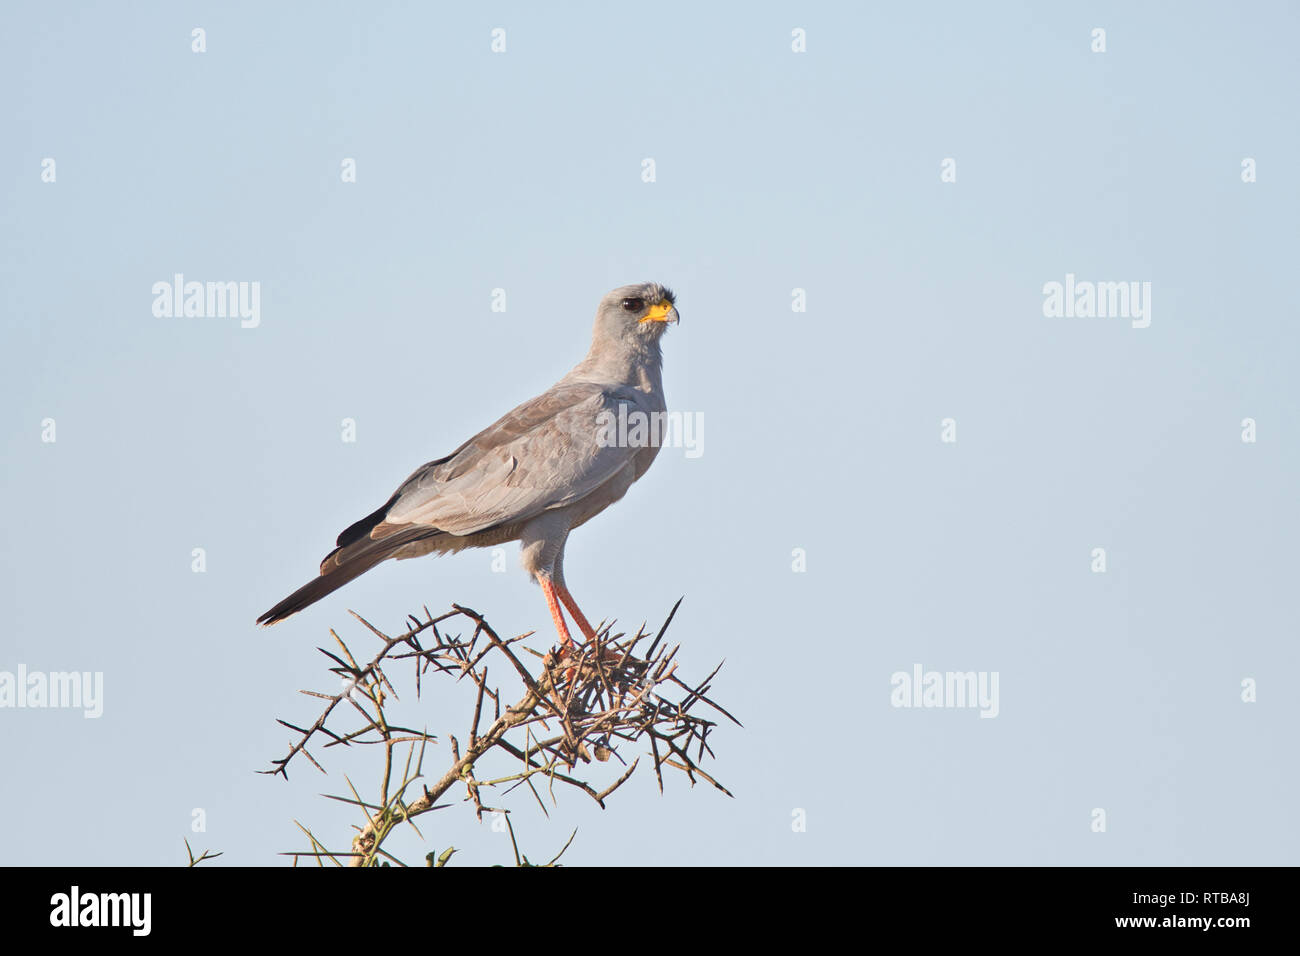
x: 545, y: 454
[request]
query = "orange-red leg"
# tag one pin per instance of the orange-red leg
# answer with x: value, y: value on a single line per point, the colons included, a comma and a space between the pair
x: 566, y: 642
x: 579, y: 618
x: 556, y: 614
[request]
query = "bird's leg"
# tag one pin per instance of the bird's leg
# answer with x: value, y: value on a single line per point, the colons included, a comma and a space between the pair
x: 557, y: 575
x: 567, y: 647
x: 556, y: 614
x: 579, y: 618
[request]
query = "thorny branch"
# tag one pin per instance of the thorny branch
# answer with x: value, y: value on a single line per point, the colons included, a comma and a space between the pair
x: 586, y: 704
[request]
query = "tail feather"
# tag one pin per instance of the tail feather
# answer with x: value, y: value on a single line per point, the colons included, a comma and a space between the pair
x: 341, y: 566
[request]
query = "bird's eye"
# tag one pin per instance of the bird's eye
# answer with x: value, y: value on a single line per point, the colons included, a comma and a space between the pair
x: 633, y: 305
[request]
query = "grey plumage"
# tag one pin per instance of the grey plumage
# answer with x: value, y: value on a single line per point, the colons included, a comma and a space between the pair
x: 534, y: 475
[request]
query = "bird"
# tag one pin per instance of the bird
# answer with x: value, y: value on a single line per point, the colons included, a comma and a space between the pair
x: 543, y: 469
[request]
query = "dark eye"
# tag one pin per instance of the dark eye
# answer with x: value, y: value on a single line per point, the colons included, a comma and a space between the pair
x: 633, y: 305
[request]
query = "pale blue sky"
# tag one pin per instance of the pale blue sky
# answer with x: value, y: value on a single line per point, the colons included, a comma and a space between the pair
x: 775, y: 170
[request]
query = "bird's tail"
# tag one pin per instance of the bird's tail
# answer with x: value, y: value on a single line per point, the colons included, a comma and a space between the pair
x: 342, y: 565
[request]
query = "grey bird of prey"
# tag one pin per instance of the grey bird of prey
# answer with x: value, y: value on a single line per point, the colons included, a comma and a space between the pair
x: 540, y: 471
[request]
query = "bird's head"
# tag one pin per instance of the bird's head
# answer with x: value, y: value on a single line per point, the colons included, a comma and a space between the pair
x: 636, y: 313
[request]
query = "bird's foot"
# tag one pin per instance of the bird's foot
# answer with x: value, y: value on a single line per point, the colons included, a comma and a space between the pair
x: 570, y: 653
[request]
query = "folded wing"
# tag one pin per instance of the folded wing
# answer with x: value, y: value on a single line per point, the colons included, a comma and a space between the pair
x: 547, y: 453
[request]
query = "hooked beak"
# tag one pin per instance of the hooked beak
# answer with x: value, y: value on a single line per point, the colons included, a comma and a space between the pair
x: 663, y: 311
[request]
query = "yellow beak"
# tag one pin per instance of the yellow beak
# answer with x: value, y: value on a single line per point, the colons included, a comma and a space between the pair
x: 662, y: 312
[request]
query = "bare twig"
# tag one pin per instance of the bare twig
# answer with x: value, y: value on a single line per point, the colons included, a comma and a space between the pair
x: 588, y: 703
